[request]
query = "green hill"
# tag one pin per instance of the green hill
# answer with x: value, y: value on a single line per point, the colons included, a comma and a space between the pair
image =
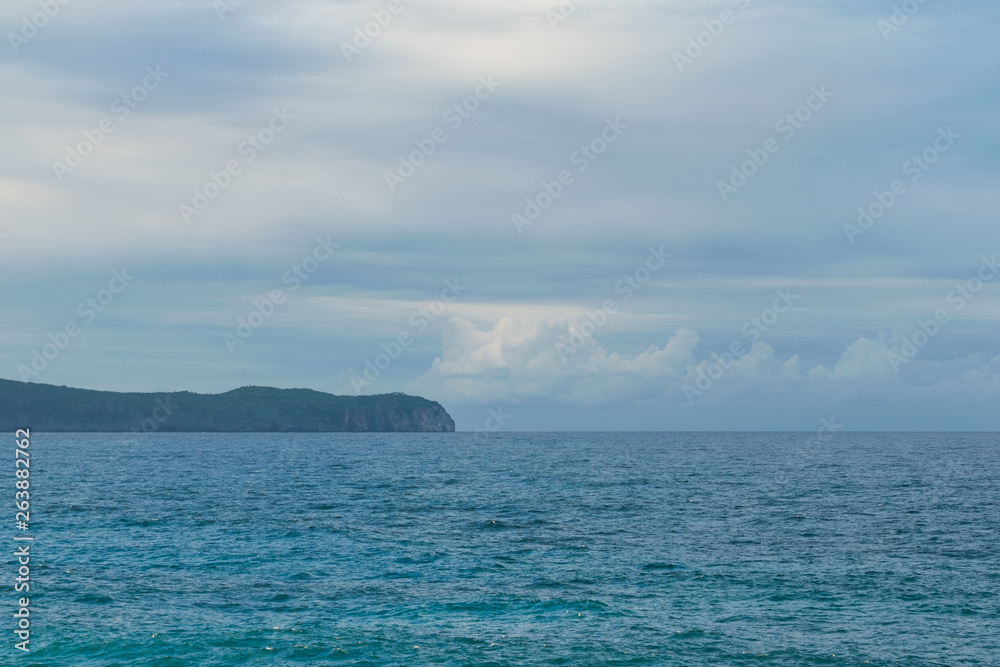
x: 43, y: 407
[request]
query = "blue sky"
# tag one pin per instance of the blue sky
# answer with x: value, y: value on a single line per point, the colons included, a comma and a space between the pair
x: 542, y: 159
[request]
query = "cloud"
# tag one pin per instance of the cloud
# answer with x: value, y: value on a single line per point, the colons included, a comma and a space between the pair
x: 525, y: 359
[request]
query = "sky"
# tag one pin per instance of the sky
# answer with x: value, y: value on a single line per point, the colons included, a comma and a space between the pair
x: 576, y: 215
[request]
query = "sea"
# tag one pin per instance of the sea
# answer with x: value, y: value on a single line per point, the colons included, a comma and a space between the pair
x: 510, y: 549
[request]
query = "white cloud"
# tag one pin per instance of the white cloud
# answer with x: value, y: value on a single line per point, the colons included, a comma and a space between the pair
x: 517, y: 359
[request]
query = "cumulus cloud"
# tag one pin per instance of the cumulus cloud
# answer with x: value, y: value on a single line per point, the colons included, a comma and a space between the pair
x: 527, y: 359
x: 523, y: 358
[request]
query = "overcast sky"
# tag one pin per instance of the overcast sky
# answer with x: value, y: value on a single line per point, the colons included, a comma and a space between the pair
x: 589, y: 215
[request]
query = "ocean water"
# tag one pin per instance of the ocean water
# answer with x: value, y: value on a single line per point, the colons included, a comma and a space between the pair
x: 513, y: 549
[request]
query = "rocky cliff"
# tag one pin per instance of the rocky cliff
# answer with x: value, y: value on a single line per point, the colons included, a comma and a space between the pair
x: 44, y: 407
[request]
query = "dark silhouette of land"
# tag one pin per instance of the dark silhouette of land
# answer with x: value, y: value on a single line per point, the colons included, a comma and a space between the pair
x: 43, y: 407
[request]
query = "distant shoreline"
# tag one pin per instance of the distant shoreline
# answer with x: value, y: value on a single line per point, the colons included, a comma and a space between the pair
x: 51, y: 409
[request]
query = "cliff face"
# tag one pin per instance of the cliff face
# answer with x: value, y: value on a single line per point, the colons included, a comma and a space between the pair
x: 249, y: 409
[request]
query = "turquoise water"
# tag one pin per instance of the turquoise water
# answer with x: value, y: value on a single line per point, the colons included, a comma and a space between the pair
x: 515, y: 549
